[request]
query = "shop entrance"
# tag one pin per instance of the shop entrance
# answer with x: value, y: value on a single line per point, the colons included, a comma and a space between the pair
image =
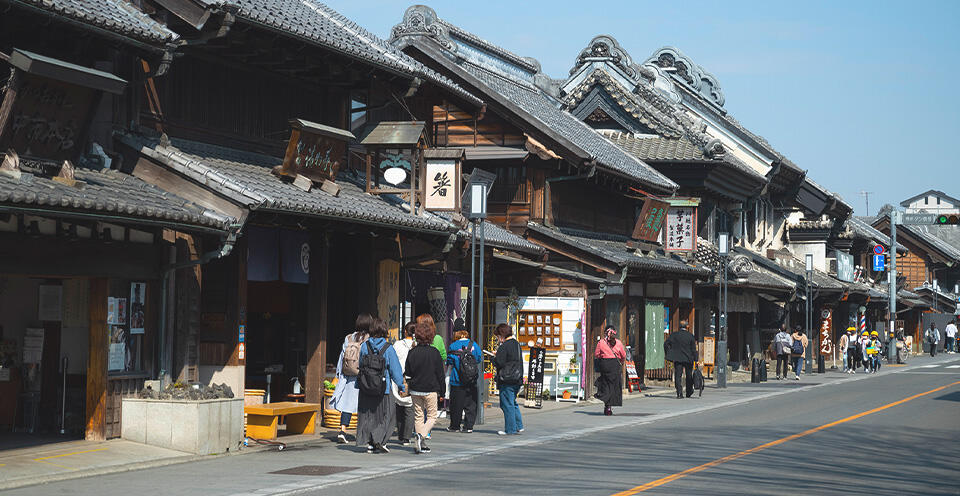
x: 276, y: 338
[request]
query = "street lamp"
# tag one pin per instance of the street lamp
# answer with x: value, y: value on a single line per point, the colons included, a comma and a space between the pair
x: 809, y: 315
x: 476, y: 214
x: 723, y: 249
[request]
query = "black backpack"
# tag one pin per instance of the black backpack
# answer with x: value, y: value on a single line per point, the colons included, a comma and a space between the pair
x: 469, y: 370
x: 372, y: 369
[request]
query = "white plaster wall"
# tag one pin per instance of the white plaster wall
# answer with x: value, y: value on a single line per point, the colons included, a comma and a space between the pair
x: 818, y: 249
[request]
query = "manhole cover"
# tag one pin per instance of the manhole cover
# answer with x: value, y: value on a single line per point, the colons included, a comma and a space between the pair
x: 315, y: 470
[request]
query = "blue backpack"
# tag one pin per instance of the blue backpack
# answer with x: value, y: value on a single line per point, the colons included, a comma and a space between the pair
x: 797, y: 348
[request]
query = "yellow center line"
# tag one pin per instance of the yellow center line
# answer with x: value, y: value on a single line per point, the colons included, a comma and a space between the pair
x: 67, y: 454
x: 728, y: 458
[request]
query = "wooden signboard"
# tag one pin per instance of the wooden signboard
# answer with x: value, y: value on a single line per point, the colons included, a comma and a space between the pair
x: 388, y: 296
x: 650, y: 220
x: 709, y: 350
x: 826, y: 325
x: 543, y: 328
x: 681, y: 230
x: 314, y: 151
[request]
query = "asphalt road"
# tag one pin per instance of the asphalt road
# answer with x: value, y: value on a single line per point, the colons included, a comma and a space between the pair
x: 897, y: 433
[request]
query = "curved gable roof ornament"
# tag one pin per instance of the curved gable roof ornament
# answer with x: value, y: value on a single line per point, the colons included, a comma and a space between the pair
x: 606, y: 48
x: 691, y: 74
x: 421, y: 20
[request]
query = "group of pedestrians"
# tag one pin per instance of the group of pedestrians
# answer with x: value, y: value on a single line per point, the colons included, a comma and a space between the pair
x: 791, y: 350
x: 400, y: 387
x: 932, y: 337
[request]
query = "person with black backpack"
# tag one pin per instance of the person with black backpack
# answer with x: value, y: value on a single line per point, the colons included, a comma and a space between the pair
x: 375, y: 408
x: 424, y: 373
x: 798, y: 351
x: 464, y: 360
x: 509, y: 363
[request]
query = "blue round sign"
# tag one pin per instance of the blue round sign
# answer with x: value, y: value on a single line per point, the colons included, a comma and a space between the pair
x: 878, y: 249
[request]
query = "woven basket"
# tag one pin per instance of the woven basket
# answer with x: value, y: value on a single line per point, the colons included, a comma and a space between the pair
x: 331, y: 417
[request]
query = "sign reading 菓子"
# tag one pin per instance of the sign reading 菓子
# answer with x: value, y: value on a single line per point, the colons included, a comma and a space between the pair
x: 650, y: 220
x: 314, y: 151
x: 681, y: 234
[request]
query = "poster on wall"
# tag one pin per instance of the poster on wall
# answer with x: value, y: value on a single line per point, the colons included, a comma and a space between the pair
x: 117, y: 357
x: 33, y: 345
x: 50, y: 302
x: 709, y: 350
x: 681, y: 233
x: 138, y: 298
x: 654, y: 335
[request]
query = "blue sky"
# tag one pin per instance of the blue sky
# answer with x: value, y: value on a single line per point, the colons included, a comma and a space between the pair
x: 862, y: 94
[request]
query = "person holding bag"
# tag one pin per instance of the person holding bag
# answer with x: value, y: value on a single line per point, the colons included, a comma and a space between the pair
x: 509, y: 364
x: 608, y: 359
x: 345, y: 394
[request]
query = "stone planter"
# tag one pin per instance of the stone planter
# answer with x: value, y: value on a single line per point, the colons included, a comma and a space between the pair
x: 203, y: 427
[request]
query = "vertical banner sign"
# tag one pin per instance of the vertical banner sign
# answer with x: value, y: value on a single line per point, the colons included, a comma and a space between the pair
x: 650, y: 220
x: 388, y: 295
x: 138, y: 297
x: 443, y: 186
x: 826, y: 324
x: 583, y: 347
x: 709, y: 350
x: 681, y: 229
x: 654, y: 335
x: 534, y: 390
x: 845, y: 268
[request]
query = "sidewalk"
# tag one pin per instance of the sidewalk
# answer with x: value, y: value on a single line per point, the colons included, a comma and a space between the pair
x: 555, y: 421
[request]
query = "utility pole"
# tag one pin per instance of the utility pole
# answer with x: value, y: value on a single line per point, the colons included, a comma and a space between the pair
x: 723, y: 249
x: 891, y: 347
x: 866, y: 198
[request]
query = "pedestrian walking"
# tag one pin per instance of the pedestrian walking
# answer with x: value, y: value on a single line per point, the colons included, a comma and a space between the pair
x: 783, y: 345
x: 608, y: 362
x: 933, y: 338
x: 509, y: 364
x: 464, y: 359
x: 345, y: 394
x: 440, y: 345
x: 848, y: 345
x: 798, y: 351
x: 681, y: 348
x: 424, y: 373
x: 405, y: 414
x: 951, y: 341
x: 375, y: 406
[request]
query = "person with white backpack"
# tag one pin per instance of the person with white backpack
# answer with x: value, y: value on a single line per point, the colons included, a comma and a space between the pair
x: 346, y: 394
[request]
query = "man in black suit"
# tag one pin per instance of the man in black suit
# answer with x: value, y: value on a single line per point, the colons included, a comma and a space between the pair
x: 681, y: 349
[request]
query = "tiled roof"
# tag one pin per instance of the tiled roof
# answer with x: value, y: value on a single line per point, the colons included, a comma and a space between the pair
x: 546, y: 113
x: 944, y: 238
x: 247, y: 178
x: 117, y: 16
x: 499, y: 237
x: 741, y: 272
x: 317, y: 23
x: 614, y: 249
x: 861, y: 227
x: 650, y: 147
x: 794, y: 269
x: 107, y: 192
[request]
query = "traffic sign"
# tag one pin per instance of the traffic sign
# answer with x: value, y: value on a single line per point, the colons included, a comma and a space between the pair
x: 918, y: 219
x: 879, y: 263
x: 878, y: 249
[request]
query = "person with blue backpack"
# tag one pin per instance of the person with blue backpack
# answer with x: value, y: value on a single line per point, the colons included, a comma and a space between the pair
x: 798, y: 351
x: 376, y: 412
x: 464, y: 359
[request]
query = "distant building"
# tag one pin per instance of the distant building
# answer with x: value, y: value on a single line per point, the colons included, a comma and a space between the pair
x: 932, y: 201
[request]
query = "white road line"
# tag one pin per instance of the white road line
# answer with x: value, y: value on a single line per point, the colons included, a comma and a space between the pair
x: 928, y: 366
x: 953, y: 366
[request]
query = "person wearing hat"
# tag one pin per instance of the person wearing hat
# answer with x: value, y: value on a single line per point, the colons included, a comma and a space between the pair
x: 873, y: 352
x: 848, y: 346
x: 862, y: 347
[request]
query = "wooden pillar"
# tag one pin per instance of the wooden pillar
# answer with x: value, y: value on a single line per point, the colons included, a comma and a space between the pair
x: 317, y: 319
x: 641, y: 359
x: 237, y: 307
x: 97, y: 361
x: 623, y: 327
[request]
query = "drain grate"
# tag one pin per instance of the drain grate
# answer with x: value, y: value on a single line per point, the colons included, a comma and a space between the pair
x: 315, y: 470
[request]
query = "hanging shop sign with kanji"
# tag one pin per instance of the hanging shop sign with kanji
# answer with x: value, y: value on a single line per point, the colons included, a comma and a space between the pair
x: 826, y: 325
x: 681, y: 231
x: 442, y: 191
x: 650, y: 220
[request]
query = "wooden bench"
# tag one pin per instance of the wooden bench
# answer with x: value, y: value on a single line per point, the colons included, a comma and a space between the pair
x: 262, y: 419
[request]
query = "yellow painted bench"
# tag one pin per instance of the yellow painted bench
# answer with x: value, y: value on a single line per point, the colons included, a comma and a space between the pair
x: 262, y: 419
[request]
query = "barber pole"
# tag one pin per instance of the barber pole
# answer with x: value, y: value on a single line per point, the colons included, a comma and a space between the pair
x: 863, y: 322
